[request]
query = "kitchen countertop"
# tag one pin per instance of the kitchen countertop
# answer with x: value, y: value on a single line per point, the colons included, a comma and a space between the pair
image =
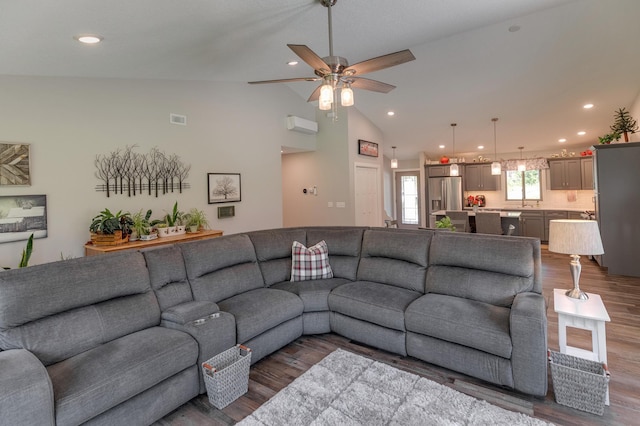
x: 513, y: 214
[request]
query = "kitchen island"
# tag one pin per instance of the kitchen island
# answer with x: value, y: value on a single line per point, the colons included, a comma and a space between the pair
x: 506, y: 218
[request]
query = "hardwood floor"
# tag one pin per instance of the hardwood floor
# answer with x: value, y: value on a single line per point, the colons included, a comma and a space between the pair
x: 621, y: 296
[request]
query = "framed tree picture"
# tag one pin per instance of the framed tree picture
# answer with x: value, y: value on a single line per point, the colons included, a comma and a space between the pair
x: 224, y: 187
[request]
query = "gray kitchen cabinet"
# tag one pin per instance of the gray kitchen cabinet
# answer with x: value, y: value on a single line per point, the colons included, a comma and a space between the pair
x: 586, y: 165
x: 574, y: 215
x: 565, y: 174
x: 551, y: 215
x: 478, y: 177
x: 437, y: 171
x: 532, y: 224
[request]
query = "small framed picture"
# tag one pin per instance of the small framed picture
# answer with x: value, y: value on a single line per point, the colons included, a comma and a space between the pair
x: 367, y: 148
x: 224, y: 187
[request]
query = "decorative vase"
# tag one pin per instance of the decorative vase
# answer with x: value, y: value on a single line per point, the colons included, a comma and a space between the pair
x: 475, y: 208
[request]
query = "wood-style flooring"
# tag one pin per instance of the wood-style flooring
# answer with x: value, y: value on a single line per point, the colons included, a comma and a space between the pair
x: 621, y: 296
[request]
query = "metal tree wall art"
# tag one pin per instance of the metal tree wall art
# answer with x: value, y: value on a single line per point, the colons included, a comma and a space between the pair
x: 126, y: 171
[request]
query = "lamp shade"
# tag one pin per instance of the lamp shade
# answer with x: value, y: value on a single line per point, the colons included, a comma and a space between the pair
x: 580, y: 237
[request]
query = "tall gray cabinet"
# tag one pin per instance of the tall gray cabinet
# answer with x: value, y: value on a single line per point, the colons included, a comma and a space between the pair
x: 617, y: 175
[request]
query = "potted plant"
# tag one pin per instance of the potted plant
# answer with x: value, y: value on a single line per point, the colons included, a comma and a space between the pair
x: 609, y: 137
x: 174, y: 220
x: 140, y: 226
x: 624, y: 123
x: 196, y: 220
x: 110, y: 229
x: 445, y: 223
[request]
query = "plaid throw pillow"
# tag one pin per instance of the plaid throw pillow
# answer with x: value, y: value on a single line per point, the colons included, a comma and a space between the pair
x: 310, y: 263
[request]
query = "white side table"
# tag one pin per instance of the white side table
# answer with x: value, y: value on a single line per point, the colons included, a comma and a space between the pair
x: 587, y: 315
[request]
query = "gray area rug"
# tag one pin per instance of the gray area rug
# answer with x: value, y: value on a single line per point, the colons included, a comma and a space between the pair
x: 348, y: 389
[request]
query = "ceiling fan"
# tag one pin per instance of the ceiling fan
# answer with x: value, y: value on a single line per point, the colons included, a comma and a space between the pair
x: 335, y: 71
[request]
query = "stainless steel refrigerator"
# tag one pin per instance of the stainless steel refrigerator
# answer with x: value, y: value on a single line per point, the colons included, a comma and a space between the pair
x: 443, y: 193
x: 616, y: 176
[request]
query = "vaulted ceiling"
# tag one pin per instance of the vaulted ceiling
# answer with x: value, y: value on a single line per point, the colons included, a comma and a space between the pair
x: 531, y: 63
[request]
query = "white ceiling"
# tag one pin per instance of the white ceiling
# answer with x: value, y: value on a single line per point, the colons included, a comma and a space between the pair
x: 469, y: 67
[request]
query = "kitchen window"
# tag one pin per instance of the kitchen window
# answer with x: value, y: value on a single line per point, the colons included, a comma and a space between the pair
x: 530, y: 190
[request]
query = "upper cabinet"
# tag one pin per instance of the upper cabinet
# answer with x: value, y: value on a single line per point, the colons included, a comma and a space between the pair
x: 565, y: 174
x: 478, y: 177
x: 571, y: 173
x: 587, y: 172
x: 436, y: 171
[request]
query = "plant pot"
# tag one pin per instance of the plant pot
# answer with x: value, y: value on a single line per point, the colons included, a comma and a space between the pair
x: 180, y: 230
x: 114, y: 239
x: 193, y: 229
x: 164, y: 232
x: 133, y: 236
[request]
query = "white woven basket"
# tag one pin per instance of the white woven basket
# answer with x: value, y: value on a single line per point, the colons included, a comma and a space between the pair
x: 226, y: 375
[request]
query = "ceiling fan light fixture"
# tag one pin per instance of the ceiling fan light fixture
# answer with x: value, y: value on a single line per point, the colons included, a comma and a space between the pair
x: 326, y: 97
x: 346, y: 95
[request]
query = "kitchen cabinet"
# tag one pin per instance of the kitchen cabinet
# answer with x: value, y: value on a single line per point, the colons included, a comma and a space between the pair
x: 437, y: 171
x: 531, y: 224
x: 574, y: 215
x: 586, y: 165
x: 565, y: 174
x: 478, y: 177
x: 551, y: 215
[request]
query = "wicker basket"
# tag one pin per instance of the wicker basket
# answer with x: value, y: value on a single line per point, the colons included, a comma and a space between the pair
x: 226, y: 375
x: 579, y: 383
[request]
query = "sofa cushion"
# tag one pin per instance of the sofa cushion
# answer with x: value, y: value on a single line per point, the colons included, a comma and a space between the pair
x: 273, y: 251
x: 168, y: 276
x: 94, y: 381
x: 373, y: 302
x: 219, y: 268
x: 259, y: 310
x: 344, y: 245
x: 488, y: 269
x: 465, y: 322
x: 395, y: 257
x: 60, y: 309
x: 310, y: 263
x: 313, y: 293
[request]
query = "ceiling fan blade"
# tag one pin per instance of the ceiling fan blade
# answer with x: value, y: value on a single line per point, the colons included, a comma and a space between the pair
x: 286, y: 80
x: 315, y: 95
x: 368, y: 84
x: 310, y: 57
x: 379, y: 63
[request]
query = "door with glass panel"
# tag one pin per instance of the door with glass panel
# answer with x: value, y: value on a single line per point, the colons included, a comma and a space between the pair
x: 407, y: 199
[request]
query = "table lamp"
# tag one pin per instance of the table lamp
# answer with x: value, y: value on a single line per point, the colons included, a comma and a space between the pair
x: 575, y: 237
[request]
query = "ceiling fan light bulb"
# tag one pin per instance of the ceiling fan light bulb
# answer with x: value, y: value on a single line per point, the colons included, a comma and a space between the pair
x: 496, y: 168
x: 326, y: 94
x: 346, y: 96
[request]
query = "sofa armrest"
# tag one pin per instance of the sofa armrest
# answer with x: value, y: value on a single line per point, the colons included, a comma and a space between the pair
x: 214, y: 331
x: 26, y: 394
x: 184, y: 313
x: 529, y: 339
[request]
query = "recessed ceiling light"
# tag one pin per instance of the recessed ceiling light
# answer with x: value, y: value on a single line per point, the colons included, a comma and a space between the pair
x: 89, y: 38
x: 441, y: 146
x: 292, y: 63
x: 587, y: 106
x: 391, y: 113
x: 514, y: 28
x: 582, y: 133
x: 562, y: 140
x: 480, y: 146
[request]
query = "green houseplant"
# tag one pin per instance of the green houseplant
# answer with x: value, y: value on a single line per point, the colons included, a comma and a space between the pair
x: 196, y: 220
x: 624, y: 123
x: 110, y: 229
x: 445, y: 223
x: 140, y: 224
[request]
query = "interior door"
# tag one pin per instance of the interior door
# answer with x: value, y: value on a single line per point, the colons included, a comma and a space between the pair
x: 368, y: 199
x: 407, y: 199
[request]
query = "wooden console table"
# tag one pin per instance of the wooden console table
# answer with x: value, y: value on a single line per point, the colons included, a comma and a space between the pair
x: 91, y: 250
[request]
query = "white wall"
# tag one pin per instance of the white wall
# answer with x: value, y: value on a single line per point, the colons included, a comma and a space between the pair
x: 231, y: 128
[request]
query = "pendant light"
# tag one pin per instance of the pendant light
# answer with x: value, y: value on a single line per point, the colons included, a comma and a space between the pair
x: 394, y: 160
x: 454, y: 170
x: 496, y: 167
x: 522, y: 164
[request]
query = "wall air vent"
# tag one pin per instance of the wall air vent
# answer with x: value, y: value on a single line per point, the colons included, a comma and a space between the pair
x: 178, y: 119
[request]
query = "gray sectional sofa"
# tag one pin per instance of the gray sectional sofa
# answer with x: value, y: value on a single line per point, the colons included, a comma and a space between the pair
x: 118, y: 339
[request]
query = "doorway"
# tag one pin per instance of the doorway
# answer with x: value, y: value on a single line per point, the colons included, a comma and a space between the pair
x: 407, y: 192
x: 367, y: 193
